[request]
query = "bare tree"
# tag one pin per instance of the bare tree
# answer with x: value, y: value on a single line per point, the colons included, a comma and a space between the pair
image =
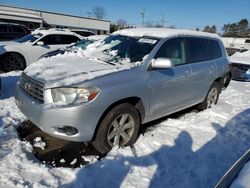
x: 98, y: 12
x: 121, y: 23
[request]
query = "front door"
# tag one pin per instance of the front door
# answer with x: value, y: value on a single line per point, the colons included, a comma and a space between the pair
x: 170, y: 88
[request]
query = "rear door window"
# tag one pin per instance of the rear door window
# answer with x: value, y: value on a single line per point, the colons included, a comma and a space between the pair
x: 214, y: 48
x: 68, y: 39
x: 52, y: 40
x: 198, y: 50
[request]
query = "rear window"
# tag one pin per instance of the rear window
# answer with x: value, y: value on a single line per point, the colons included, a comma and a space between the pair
x: 214, y: 48
x: 198, y: 50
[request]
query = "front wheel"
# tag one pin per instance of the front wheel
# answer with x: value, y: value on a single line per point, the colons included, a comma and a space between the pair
x: 211, y: 98
x: 13, y: 62
x: 119, y: 127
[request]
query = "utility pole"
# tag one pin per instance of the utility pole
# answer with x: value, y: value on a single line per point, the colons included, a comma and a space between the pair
x: 163, y: 20
x: 89, y: 14
x: 143, y: 15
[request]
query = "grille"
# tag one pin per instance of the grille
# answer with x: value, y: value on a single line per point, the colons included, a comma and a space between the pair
x: 32, y: 87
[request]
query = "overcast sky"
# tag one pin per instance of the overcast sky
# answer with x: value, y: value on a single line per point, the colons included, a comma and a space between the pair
x: 181, y: 13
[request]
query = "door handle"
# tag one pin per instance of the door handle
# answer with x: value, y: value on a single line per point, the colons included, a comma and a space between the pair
x: 187, y: 73
x: 211, y: 70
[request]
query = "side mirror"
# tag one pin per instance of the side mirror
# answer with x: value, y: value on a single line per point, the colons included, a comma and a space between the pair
x: 40, y: 43
x: 161, y: 63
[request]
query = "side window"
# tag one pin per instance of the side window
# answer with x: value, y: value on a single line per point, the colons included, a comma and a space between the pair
x: 198, y: 50
x: 173, y: 49
x: 3, y: 28
x: 215, y: 49
x: 18, y: 29
x: 52, y: 40
x: 68, y: 39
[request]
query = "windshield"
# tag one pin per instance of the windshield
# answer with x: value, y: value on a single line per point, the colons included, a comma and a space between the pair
x: 30, y: 38
x: 121, y: 49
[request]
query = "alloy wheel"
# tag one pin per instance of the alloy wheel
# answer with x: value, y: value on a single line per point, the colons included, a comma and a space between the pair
x: 121, y: 130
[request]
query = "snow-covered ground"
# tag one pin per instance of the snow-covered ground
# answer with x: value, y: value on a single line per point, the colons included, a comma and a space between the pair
x: 194, y: 150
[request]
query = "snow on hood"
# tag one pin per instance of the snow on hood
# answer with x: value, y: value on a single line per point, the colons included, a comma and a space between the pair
x: 69, y: 68
x: 243, y: 58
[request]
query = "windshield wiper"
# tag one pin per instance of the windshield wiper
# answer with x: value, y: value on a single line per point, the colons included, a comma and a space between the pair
x: 106, y: 62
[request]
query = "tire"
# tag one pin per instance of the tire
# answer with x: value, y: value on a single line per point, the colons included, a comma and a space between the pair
x: 211, y: 97
x: 119, y: 127
x: 13, y: 62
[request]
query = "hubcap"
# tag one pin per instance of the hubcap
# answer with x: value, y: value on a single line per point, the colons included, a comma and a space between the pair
x: 13, y: 63
x: 121, y: 130
x: 212, y: 97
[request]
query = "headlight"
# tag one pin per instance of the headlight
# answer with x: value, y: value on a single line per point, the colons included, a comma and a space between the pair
x: 248, y: 72
x: 74, y: 95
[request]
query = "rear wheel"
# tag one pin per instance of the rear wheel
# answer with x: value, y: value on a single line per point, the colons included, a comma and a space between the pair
x: 119, y: 127
x: 13, y: 62
x: 211, y: 98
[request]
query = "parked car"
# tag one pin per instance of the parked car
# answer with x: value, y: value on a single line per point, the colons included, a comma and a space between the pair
x: 134, y: 76
x: 82, y: 44
x: 9, y: 31
x: 16, y: 55
x: 84, y: 33
x: 238, y: 175
x: 240, y: 66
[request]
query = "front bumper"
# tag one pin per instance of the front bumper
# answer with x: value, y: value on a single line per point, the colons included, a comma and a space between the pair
x: 49, y: 118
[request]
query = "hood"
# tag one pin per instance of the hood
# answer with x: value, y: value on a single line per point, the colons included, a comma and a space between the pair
x: 65, y: 70
x: 241, y: 60
x: 241, y: 57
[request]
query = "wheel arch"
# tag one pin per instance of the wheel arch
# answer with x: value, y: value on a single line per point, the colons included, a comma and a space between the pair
x: 135, y: 101
x: 13, y: 52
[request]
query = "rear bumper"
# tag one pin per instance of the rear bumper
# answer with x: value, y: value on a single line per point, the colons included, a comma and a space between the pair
x: 49, y: 118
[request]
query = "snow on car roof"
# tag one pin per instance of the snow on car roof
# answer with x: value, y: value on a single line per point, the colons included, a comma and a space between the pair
x: 97, y: 37
x: 54, y: 31
x: 163, y: 33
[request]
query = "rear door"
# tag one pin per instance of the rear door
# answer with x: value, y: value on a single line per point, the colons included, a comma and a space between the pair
x: 170, y: 88
x: 202, y: 65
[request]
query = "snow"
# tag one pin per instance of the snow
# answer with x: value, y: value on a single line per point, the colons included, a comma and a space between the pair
x: 188, y: 150
x: 163, y: 33
x: 243, y: 179
x: 241, y: 57
x: 39, y: 143
x: 83, y: 65
x: 53, y: 71
x: 55, y: 31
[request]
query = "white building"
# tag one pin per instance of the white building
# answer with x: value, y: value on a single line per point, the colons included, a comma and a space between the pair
x: 37, y: 18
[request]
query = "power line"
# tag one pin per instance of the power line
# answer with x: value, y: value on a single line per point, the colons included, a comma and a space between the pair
x: 163, y: 20
x: 143, y: 15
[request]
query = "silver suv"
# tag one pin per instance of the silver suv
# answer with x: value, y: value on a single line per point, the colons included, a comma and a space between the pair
x: 104, y: 93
